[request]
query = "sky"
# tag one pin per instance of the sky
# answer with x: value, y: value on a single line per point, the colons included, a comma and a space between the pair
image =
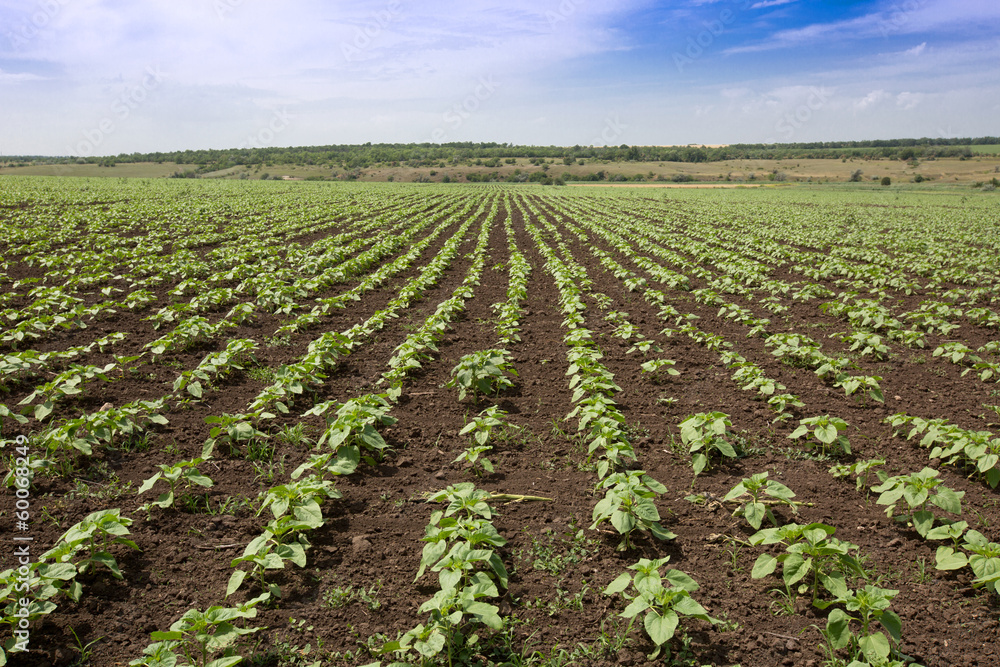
x: 97, y: 77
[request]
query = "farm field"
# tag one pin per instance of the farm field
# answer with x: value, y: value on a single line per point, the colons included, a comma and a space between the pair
x: 477, y: 421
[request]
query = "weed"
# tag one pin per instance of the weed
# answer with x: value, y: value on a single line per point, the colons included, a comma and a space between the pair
x: 295, y: 436
x: 554, y: 554
x: 335, y: 598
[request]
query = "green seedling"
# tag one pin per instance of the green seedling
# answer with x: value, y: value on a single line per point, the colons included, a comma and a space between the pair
x: 825, y: 430
x: 628, y: 505
x: 94, y: 535
x: 354, y: 425
x: 868, y: 605
x: 861, y: 470
x: 983, y: 558
x: 302, y: 499
x: 664, y: 599
x: 482, y: 373
x: 918, y: 490
x: 185, y: 472
x: 282, y: 540
x: 705, y: 433
x: 659, y: 369
x: 808, y: 549
x: 756, y: 495
x: 481, y: 427
x: 478, y: 465
x: 197, y: 636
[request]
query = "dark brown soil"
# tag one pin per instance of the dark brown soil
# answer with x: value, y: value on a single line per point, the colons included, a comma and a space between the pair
x: 371, y: 540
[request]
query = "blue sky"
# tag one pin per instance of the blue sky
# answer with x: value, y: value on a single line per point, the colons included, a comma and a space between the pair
x: 96, y: 77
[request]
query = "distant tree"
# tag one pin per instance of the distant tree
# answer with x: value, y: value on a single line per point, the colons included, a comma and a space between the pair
x: 886, y: 180
x: 855, y: 176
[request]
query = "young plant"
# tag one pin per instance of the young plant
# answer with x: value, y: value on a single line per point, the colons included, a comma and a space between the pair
x: 354, y: 425
x: 780, y: 403
x: 197, y: 636
x: 659, y: 369
x: 282, y: 540
x: 869, y: 383
x: 808, y: 549
x: 869, y: 604
x: 471, y: 455
x: 826, y: 430
x: 918, y: 490
x: 628, y: 505
x: 860, y: 470
x: 482, y: 373
x: 302, y: 499
x: 94, y: 535
x: 481, y: 427
x: 231, y: 430
x: 757, y: 494
x: 983, y: 558
x: 664, y: 599
x: 704, y: 433
x: 182, y: 471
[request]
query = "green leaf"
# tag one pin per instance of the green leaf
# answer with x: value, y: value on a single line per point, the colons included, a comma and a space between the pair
x: 923, y: 521
x: 660, y: 628
x: 225, y: 662
x: 619, y: 584
x: 892, y: 624
x: 796, y: 567
x: 838, y: 629
x: 799, y: 432
x: 948, y: 499
x: 875, y: 647
x: 826, y: 434
x: 948, y: 559
x: 44, y: 410
x: 638, y: 605
x: 623, y: 522
x: 766, y: 564
x: 235, y: 581
x: 754, y: 513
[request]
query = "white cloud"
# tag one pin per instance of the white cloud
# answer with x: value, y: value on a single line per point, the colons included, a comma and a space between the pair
x: 18, y: 77
x: 894, y: 19
x: 916, y: 50
x: 907, y: 100
x: 871, y: 99
x: 763, y: 4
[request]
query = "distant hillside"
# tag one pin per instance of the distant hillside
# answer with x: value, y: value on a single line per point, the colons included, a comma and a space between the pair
x: 492, y: 154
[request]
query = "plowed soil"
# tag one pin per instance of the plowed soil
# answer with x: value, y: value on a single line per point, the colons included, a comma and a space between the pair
x: 371, y: 540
